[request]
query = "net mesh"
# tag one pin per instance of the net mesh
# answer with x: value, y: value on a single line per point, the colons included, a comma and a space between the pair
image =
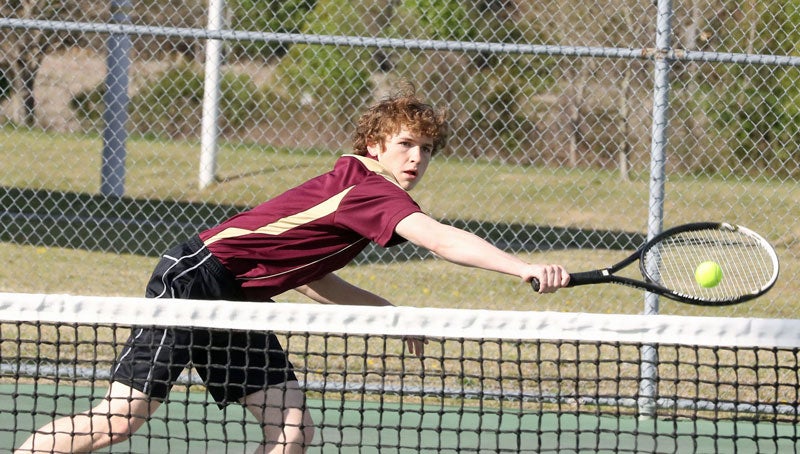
x: 488, y: 381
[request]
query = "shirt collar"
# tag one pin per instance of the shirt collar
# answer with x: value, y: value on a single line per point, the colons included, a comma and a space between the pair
x: 372, y: 164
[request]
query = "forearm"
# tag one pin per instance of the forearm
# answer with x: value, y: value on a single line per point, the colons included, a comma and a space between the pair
x: 467, y: 249
x: 464, y: 248
x: 458, y: 246
x: 332, y: 289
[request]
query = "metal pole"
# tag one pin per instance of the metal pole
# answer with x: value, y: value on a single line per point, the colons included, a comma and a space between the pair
x: 112, y: 172
x: 655, y: 223
x: 209, y: 127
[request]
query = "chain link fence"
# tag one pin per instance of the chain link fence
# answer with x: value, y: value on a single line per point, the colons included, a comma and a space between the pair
x: 578, y: 129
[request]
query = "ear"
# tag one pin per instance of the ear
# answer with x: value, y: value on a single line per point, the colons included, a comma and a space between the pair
x: 374, y: 148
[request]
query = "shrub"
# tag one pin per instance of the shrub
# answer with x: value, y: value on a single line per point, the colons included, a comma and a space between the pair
x: 172, y: 105
x: 286, y: 16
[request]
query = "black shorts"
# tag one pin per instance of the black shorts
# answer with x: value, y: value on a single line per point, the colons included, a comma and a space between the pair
x: 231, y: 363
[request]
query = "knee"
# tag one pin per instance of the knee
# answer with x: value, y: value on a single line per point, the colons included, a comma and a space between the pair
x: 299, y: 435
x: 108, y: 429
x: 121, y: 429
x: 114, y: 421
x: 295, y: 437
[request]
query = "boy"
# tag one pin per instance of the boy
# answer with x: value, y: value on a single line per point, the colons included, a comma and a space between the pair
x: 294, y: 241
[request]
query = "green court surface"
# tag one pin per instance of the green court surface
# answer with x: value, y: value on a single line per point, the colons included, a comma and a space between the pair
x: 370, y: 427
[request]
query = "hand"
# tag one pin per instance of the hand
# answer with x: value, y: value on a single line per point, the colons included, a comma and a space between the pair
x: 549, y: 277
x: 415, y: 344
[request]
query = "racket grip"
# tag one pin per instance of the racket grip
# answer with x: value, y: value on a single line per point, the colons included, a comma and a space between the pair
x: 576, y: 279
x: 535, y: 283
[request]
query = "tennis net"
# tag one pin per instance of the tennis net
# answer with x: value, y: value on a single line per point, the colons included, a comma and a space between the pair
x: 488, y: 381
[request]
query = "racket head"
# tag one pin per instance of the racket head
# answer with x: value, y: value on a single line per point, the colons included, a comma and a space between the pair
x: 749, y: 264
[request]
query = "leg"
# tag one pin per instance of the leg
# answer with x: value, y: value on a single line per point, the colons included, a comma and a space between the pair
x: 281, y: 411
x: 122, y: 412
x: 252, y: 368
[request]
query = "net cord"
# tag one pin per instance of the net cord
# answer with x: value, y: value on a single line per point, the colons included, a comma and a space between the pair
x: 403, y: 321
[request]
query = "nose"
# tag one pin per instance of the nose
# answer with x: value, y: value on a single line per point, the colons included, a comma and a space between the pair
x: 416, y: 154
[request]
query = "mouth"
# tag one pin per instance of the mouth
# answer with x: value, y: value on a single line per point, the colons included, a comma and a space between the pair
x: 410, y: 173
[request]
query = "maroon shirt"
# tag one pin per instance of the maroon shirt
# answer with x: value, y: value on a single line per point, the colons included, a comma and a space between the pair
x: 312, y: 229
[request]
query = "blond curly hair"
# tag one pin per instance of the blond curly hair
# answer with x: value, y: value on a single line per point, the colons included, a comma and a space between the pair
x: 401, y: 110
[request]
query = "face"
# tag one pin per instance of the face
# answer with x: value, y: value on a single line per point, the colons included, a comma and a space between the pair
x: 405, y: 155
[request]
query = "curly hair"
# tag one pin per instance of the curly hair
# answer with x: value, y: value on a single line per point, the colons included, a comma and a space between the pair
x: 400, y: 110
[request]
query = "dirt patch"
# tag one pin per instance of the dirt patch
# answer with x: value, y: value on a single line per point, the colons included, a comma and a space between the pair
x: 67, y: 73
x: 62, y: 76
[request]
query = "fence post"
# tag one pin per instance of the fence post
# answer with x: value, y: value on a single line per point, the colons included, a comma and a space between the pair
x: 115, y: 98
x: 209, y: 127
x: 649, y: 355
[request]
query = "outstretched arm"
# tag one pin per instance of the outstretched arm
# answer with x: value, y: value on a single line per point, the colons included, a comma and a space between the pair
x: 464, y: 248
x: 332, y: 289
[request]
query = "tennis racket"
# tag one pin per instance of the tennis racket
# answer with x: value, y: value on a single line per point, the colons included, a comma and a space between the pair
x: 668, y: 261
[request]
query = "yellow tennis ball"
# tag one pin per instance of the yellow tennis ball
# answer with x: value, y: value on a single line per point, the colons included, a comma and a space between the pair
x: 708, y: 274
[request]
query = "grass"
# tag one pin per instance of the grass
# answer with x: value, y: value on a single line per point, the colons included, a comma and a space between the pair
x: 453, y: 189
x: 477, y: 191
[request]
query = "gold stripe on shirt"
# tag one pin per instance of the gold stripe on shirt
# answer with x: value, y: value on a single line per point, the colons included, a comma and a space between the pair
x: 375, y: 166
x: 287, y: 223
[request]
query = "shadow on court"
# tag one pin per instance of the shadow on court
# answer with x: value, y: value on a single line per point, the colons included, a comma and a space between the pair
x: 369, y: 427
x: 150, y: 226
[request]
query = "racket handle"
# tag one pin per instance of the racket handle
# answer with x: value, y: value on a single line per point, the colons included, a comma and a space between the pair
x: 572, y: 282
x: 575, y: 279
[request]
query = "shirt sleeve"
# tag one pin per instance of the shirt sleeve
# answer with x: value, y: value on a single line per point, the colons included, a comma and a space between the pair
x: 374, y: 208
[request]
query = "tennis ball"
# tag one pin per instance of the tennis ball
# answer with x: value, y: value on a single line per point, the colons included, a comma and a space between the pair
x: 708, y: 274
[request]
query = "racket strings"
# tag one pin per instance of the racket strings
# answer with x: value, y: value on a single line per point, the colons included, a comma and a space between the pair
x: 748, y: 266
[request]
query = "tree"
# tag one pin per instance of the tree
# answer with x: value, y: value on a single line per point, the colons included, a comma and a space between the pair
x: 26, y: 49
x: 279, y: 16
x: 758, y: 115
x: 333, y: 81
x: 23, y: 50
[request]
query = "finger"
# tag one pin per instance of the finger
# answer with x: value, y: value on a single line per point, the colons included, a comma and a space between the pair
x: 421, y: 346
x: 415, y: 345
